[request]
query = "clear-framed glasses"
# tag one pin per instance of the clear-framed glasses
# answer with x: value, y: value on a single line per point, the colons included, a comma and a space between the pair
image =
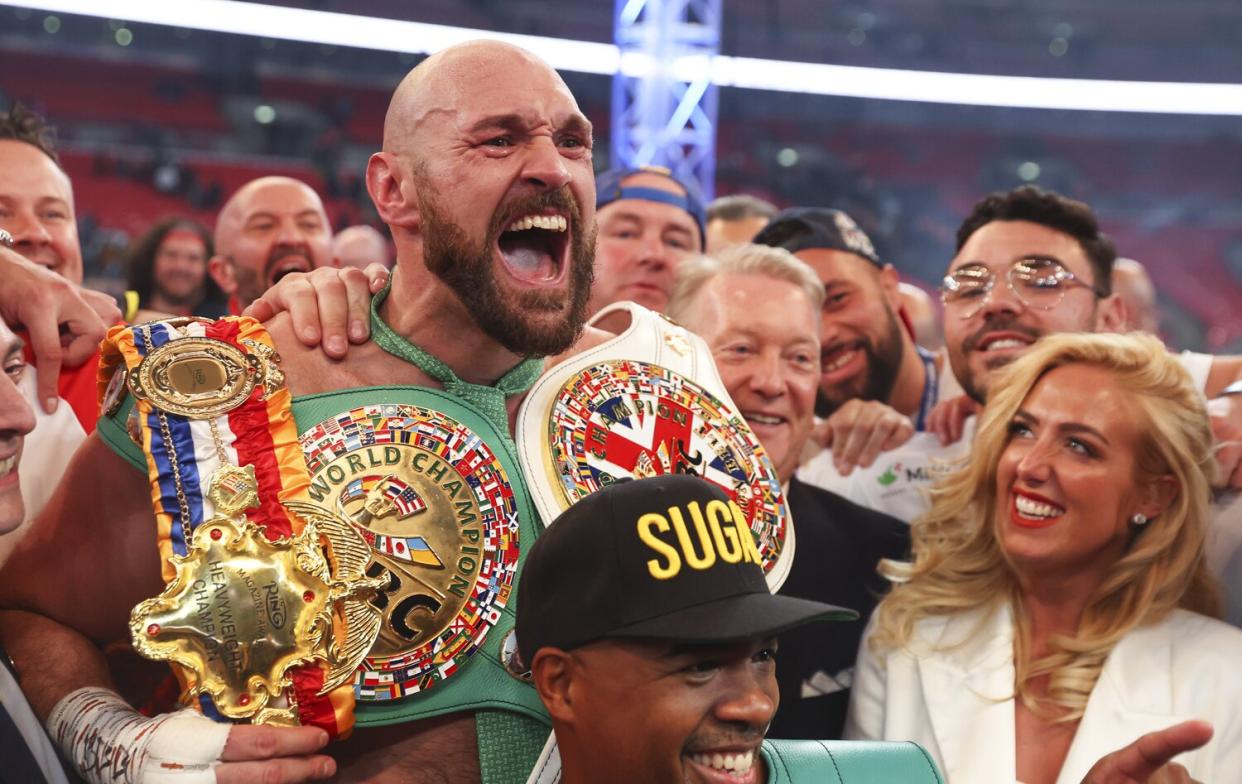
x: 1040, y: 283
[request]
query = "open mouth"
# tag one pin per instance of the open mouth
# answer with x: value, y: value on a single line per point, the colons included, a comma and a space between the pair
x: 534, y: 248
x: 842, y: 360
x: 285, y: 265
x: 1032, y: 511
x: 1003, y: 341
x: 43, y: 256
x: 8, y: 466
x: 728, y: 768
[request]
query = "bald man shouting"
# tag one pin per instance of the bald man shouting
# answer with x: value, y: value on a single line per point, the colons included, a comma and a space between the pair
x: 485, y: 181
x: 270, y: 227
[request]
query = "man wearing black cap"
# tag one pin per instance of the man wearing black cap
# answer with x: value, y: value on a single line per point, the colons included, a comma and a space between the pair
x: 877, y: 386
x: 651, y: 637
x: 649, y: 220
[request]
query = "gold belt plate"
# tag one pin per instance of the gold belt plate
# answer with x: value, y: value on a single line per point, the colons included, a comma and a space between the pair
x: 244, y: 610
x: 199, y: 378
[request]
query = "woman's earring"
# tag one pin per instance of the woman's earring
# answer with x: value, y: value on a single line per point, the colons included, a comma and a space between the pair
x: 1139, y: 519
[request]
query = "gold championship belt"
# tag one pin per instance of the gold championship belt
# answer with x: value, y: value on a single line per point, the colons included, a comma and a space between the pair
x: 422, y: 484
x: 269, y: 605
x: 648, y: 402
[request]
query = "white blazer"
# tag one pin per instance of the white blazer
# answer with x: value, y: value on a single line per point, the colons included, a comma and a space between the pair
x: 958, y: 703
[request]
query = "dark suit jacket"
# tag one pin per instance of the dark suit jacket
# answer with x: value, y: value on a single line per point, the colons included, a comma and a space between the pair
x: 839, y: 544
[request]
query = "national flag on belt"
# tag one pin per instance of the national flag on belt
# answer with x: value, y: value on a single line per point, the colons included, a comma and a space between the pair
x: 411, y: 549
x: 406, y: 498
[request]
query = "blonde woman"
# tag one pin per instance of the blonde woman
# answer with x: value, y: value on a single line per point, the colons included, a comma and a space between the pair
x: 1058, y: 606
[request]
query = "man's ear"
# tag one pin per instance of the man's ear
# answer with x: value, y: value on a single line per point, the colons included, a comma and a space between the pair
x: 392, y: 191
x: 221, y: 271
x: 889, y: 279
x: 1110, y: 314
x: 553, y: 672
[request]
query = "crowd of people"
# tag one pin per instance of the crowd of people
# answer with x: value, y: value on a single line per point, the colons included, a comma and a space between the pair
x: 1013, y: 508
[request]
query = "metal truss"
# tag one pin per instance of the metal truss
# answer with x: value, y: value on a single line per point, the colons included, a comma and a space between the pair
x: 663, y: 98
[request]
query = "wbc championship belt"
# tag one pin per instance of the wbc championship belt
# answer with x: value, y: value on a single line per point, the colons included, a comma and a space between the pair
x: 648, y: 402
x: 269, y: 605
x: 435, y: 490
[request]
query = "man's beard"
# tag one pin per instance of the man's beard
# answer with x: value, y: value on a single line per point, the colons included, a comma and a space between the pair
x: 976, y: 385
x: 249, y: 285
x: 469, y: 270
x: 883, y: 363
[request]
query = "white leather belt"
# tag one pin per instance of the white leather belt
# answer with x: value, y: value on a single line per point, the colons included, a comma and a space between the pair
x: 648, y: 402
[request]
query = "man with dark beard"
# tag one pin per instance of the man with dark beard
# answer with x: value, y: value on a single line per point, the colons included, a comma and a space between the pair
x: 877, y: 386
x: 490, y: 197
x: 270, y: 227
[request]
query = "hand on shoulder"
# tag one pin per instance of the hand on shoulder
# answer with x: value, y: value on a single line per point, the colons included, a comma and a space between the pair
x: 328, y: 307
x: 948, y: 418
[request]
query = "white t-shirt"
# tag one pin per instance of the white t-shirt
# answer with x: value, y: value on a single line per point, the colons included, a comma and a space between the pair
x: 1199, y: 366
x: 898, y: 481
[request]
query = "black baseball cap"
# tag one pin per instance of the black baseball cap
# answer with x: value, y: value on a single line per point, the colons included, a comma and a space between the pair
x: 668, y: 558
x: 608, y: 188
x: 804, y: 228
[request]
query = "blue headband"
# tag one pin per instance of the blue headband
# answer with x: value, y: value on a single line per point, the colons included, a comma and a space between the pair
x: 608, y: 188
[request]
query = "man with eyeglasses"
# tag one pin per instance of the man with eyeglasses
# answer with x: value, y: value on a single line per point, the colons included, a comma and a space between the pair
x: 1031, y: 263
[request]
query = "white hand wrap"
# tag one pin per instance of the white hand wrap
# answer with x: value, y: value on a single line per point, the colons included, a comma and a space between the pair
x: 111, y: 743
